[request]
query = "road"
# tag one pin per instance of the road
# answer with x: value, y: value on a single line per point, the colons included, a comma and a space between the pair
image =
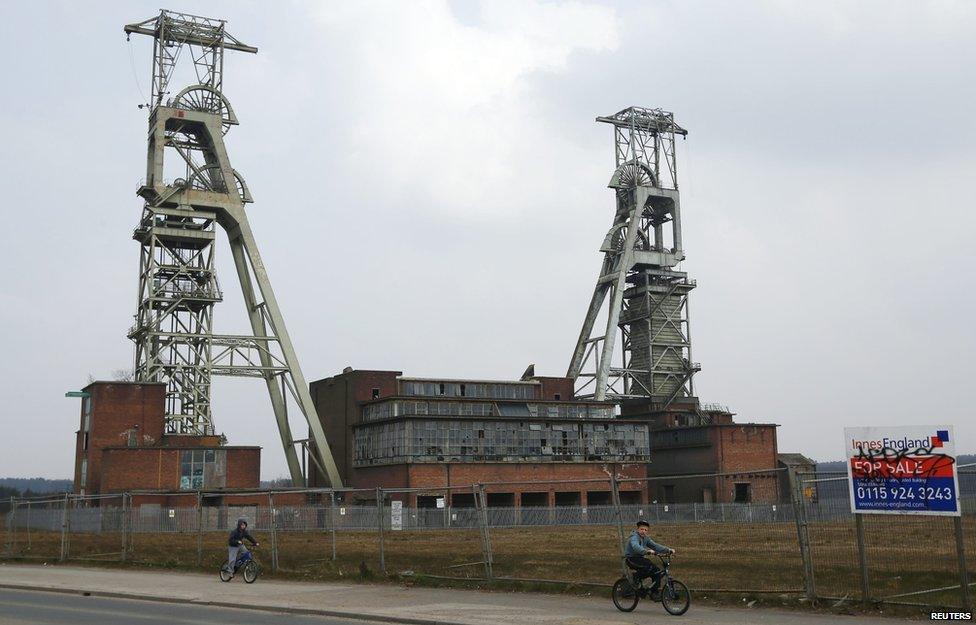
x: 20, y: 607
x: 391, y: 603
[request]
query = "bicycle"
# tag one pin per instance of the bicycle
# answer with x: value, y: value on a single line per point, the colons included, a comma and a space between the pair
x: 673, y: 595
x: 245, y: 560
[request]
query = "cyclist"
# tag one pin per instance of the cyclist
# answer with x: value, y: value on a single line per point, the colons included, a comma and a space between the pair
x: 236, y: 542
x: 638, y: 548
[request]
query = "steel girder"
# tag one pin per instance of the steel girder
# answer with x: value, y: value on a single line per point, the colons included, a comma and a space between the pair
x: 177, y: 285
x: 638, y: 291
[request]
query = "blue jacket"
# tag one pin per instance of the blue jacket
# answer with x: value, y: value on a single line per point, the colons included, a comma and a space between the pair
x: 638, y: 545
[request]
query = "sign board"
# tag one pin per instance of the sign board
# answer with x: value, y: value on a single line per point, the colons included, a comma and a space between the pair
x: 440, y: 502
x: 396, y: 515
x: 902, y: 470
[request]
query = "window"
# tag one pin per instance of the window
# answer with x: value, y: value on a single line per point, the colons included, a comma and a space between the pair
x: 84, y: 442
x: 462, y: 390
x: 84, y: 473
x: 86, y: 414
x: 376, y: 393
x: 202, y: 468
x: 557, y: 396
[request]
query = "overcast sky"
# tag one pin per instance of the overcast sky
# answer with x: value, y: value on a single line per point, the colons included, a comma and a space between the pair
x: 431, y: 196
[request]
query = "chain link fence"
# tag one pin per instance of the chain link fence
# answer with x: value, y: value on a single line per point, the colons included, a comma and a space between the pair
x: 800, y: 540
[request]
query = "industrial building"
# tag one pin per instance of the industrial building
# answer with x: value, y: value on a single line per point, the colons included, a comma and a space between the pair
x: 122, y: 445
x: 515, y: 436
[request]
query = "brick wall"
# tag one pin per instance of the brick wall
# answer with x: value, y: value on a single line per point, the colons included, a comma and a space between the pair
x: 158, y: 468
x: 140, y: 469
x: 243, y: 467
x: 552, y: 386
x: 117, y: 408
x: 531, y: 478
x: 337, y: 402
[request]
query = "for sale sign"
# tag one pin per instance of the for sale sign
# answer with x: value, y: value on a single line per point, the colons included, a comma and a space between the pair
x: 902, y: 470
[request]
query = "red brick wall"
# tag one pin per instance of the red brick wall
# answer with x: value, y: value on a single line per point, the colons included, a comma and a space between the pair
x: 532, y: 478
x: 551, y: 386
x: 337, y: 402
x: 158, y: 468
x: 136, y: 468
x: 117, y: 407
x: 243, y: 467
x: 746, y: 448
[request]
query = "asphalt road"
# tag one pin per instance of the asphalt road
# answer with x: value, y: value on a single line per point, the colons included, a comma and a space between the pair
x: 20, y: 607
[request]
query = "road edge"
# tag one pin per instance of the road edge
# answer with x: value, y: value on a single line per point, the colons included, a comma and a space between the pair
x: 376, y: 618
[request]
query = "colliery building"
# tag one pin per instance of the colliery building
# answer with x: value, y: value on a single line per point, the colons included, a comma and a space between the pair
x: 123, y: 444
x: 527, y: 440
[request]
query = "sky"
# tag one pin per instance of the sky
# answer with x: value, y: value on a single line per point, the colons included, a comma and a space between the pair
x: 431, y: 197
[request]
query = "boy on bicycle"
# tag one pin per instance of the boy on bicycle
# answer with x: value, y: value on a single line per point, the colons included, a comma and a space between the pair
x: 236, y: 542
x: 638, y: 547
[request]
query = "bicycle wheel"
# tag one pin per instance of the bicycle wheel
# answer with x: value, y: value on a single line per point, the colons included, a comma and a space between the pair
x: 675, y: 597
x: 225, y: 575
x: 624, y: 595
x: 251, y: 572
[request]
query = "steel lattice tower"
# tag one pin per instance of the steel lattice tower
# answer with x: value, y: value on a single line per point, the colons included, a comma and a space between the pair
x: 646, y: 297
x: 178, y: 286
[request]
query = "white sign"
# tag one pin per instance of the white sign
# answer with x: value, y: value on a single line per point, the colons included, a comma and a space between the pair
x: 902, y: 470
x: 172, y: 513
x: 342, y: 511
x: 440, y: 502
x: 396, y: 515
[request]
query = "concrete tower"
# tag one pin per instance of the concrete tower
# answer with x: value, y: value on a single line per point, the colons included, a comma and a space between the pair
x: 639, y: 291
x: 190, y: 188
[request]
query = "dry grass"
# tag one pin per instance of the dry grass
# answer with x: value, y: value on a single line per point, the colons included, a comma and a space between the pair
x: 905, y: 554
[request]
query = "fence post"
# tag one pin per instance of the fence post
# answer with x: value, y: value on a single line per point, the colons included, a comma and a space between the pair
x: 332, y: 522
x: 967, y: 600
x: 274, y: 533
x: 125, y: 533
x: 380, y: 500
x: 481, y: 509
x: 862, y: 557
x: 28, y: 525
x: 64, y: 530
x: 617, y: 515
x: 802, y: 534
x: 199, y: 528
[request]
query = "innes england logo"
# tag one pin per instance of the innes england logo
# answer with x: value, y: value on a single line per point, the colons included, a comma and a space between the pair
x: 901, y: 444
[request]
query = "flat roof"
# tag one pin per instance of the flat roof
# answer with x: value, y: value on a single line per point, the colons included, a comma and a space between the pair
x: 467, y: 381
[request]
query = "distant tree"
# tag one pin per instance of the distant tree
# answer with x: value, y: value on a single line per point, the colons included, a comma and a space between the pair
x: 123, y: 375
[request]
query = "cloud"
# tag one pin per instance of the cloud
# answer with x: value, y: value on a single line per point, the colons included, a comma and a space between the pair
x: 444, y: 112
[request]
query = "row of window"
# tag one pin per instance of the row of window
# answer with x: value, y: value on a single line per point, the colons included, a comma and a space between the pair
x: 388, y: 409
x: 438, y: 441
x: 202, y: 468
x: 487, y: 390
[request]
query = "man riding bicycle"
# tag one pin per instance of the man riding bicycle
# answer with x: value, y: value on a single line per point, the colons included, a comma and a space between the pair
x: 638, y: 548
x: 236, y: 542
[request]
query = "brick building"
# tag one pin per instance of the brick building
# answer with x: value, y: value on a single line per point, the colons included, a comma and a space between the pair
x: 391, y: 431
x: 691, y: 439
x: 121, y: 445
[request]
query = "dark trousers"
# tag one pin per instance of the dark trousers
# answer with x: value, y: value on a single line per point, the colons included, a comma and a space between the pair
x: 645, y: 568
